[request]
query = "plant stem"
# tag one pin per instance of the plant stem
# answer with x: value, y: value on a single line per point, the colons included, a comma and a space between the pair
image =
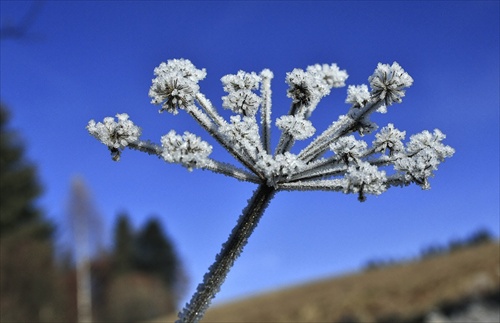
x: 214, y: 278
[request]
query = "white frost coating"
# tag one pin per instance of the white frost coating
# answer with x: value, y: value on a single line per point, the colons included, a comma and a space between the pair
x: 424, y: 153
x: 389, y: 138
x: 330, y: 74
x: 305, y: 87
x: 175, y: 85
x: 349, y: 149
x: 281, y: 165
x: 388, y: 84
x: 188, y: 149
x: 295, y: 126
x: 266, y: 76
x: 364, y: 178
x: 358, y: 95
x: 241, y: 81
x: 243, y: 135
x: 116, y: 135
x: 353, y: 168
x: 240, y: 98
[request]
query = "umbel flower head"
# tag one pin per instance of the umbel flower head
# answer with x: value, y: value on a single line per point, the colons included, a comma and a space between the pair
x: 335, y: 160
x: 115, y: 135
x: 389, y: 83
x: 354, y: 167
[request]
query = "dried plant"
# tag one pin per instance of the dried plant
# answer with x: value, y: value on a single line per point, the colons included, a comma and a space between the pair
x: 334, y: 160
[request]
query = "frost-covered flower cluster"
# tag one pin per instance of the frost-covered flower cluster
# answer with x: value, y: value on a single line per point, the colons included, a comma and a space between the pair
x: 389, y: 83
x: 188, y: 149
x: 335, y: 160
x: 353, y: 167
x: 115, y: 135
x: 175, y: 84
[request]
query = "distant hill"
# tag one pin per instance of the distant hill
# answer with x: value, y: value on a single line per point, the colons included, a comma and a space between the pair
x: 404, y: 292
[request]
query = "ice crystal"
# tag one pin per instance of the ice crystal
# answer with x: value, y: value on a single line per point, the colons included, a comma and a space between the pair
x: 334, y: 160
x: 364, y: 179
x: 175, y: 85
x: 115, y: 135
x: 296, y: 126
x: 188, y: 150
x: 389, y: 138
x: 358, y: 95
x: 388, y: 84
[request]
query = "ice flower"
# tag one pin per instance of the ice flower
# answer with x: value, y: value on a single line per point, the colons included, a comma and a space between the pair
x: 240, y: 98
x: 349, y: 149
x: 364, y: 178
x: 358, y: 95
x: 389, y: 138
x: 175, y: 85
x: 304, y: 87
x: 329, y: 74
x: 296, y: 126
x: 115, y: 135
x: 424, y: 153
x: 241, y: 81
x: 388, y: 84
x: 188, y: 149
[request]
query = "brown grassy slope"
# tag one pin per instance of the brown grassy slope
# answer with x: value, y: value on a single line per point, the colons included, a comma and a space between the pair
x: 403, y: 290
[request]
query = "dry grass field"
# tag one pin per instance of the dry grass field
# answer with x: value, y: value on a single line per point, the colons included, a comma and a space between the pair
x: 395, y: 293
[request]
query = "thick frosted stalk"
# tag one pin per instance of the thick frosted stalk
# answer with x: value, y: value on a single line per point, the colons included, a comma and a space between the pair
x: 233, y: 247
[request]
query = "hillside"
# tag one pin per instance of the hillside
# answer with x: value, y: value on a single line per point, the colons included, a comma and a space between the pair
x: 402, y: 292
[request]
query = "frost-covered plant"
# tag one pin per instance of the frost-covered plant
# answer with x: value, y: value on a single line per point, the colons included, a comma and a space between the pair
x: 335, y: 160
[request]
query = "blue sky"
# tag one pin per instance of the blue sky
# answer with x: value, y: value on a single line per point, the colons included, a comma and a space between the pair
x: 88, y: 60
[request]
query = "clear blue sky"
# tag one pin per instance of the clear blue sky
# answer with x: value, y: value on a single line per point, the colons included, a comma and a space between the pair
x: 88, y: 60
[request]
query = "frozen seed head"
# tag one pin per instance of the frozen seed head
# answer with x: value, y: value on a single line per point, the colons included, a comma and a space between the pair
x: 329, y: 74
x: 115, y: 134
x: 188, y: 149
x: 175, y: 85
x: 358, y: 95
x: 240, y: 98
x: 364, y: 179
x: 388, y: 84
x: 349, y: 149
x: 424, y: 153
x: 295, y: 126
x: 302, y: 90
x: 241, y: 81
x: 389, y: 138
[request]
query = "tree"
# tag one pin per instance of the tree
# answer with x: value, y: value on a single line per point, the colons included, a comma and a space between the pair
x: 146, y: 280
x: 353, y: 168
x: 29, y: 284
x: 19, y: 186
x: 85, y: 221
x: 154, y: 254
x: 123, y: 253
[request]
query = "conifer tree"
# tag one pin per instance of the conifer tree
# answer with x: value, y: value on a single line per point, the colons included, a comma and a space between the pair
x: 123, y: 245
x: 154, y: 253
x: 28, y: 277
x: 19, y: 187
